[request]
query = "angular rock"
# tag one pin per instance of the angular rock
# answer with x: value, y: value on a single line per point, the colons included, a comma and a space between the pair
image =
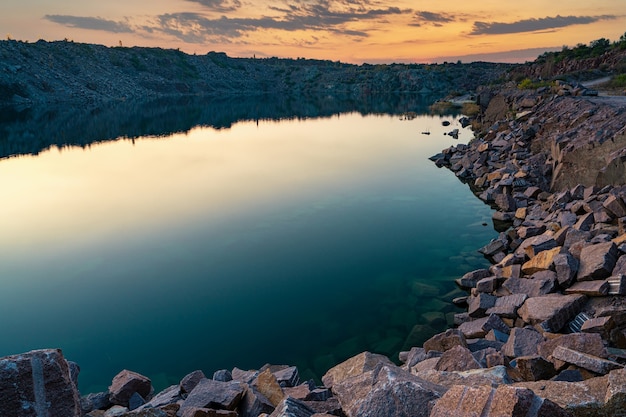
x: 615, y: 205
x: 287, y: 377
x: 493, y: 376
x: 589, y: 343
x: 223, y: 375
x: 169, y: 395
x: 507, y: 306
x: 585, y: 361
x: 240, y: 375
x: 478, y: 305
x: 125, y: 384
x: 581, y: 399
x: 617, y: 284
x: 529, y: 287
x: 457, y: 359
x: 590, y: 288
x: 387, y: 391
x: 209, y: 393
x: 600, y: 325
x: 444, y: 341
x: 522, y: 342
x: 597, y: 261
x: 474, y: 328
x: 505, y: 202
x: 290, y: 407
x: 494, y: 322
x: 585, y: 222
x: 189, y: 381
x: 487, y: 285
x: 267, y: 385
x: 197, y: 412
x: 328, y: 408
x: 615, y: 399
x: 253, y: 403
x: 541, y: 261
x: 470, y: 279
x: 551, y: 311
x: 566, y: 267
x: 410, y: 358
x: 536, y: 244
x: 535, y: 368
x: 504, y: 401
x: 37, y: 384
x: 354, y: 366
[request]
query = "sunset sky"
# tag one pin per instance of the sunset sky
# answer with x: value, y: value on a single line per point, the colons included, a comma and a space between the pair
x: 356, y: 31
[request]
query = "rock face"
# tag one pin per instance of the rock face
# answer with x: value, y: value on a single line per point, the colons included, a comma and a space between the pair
x: 387, y: 391
x: 37, y: 384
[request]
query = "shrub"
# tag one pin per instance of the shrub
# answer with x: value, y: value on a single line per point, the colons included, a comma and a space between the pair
x: 470, y: 109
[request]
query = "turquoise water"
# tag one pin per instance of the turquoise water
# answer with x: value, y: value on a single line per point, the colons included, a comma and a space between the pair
x: 300, y: 241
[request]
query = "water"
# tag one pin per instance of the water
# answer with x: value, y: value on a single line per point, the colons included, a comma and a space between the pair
x: 297, y: 241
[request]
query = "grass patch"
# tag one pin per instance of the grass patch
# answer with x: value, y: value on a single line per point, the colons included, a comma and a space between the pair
x: 470, y: 109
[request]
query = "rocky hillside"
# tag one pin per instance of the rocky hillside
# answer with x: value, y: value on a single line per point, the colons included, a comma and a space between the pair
x: 52, y: 72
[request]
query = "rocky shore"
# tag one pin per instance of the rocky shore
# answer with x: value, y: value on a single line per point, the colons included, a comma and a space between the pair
x: 544, y: 331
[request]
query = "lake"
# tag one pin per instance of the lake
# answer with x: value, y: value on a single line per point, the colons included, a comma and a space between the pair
x: 294, y: 240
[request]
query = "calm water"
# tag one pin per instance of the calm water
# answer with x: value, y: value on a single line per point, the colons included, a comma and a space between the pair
x: 295, y: 242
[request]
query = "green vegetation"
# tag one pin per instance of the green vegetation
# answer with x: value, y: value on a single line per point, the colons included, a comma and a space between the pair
x: 470, y: 109
x: 528, y: 84
x: 581, y: 51
x: 619, y: 81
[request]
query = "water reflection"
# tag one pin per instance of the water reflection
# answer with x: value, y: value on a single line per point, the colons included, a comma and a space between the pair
x: 29, y: 130
x: 302, y: 241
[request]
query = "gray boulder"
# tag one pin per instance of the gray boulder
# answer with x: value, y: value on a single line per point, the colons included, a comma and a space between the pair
x: 219, y: 395
x: 37, y: 384
x: 387, y: 391
x: 522, y: 342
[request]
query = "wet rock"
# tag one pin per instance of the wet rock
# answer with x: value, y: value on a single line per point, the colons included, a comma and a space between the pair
x: 551, y: 311
x: 209, y: 393
x: 387, y: 391
x: 458, y: 358
x: 597, y: 261
x: 522, y: 342
x: 37, y: 383
x: 354, y: 366
x: 584, y: 360
x: 125, y: 384
x: 444, y: 341
x: 504, y: 401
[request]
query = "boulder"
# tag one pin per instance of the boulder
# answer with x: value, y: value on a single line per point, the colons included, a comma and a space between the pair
x: 552, y: 312
x: 253, y: 403
x: 494, y: 376
x: 223, y: 375
x: 209, y: 393
x: 354, y: 366
x: 125, y: 384
x: 597, y: 261
x: 522, y: 342
x: 590, y: 288
x: 504, y: 401
x: 600, y: 325
x: 584, y: 360
x: 508, y: 305
x: 387, y: 391
x: 535, y: 368
x: 470, y: 279
x: 267, y: 385
x: 290, y: 407
x: 444, y: 341
x: 541, y: 261
x: 474, y: 328
x: 566, y: 267
x: 529, y: 287
x: 287, y: 377
x: 189, y: 381
x: 37, y: 384
x: 169, y: 395
x: 590, y: 343
x: 458, y: 359
x: 479, y: 304
x: 615, y: 206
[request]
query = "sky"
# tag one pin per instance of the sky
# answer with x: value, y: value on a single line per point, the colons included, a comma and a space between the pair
x: 353, y: 31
